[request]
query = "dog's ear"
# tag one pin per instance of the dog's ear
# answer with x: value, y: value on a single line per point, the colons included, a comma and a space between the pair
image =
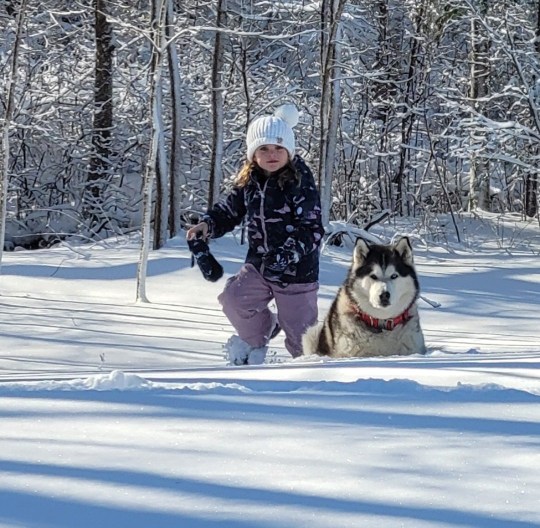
x: 360, y: 252
x: 404, y: 249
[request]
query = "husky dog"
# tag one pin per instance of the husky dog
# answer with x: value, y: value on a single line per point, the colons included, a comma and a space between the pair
x: 374, y: 312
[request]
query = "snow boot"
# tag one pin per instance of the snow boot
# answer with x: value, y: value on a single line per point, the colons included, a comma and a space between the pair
x: 238, y: 352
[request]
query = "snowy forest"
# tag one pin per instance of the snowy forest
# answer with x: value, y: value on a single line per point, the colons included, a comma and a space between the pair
x: 118, y: 112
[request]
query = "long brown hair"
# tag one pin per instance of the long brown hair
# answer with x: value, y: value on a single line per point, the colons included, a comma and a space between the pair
x: 288, y: 173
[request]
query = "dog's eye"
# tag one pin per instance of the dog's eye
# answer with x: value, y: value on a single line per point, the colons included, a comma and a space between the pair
x: 394, y: 276
x: 373, y: 276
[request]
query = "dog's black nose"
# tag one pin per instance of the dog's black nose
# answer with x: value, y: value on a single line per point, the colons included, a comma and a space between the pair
x: 385, y: 298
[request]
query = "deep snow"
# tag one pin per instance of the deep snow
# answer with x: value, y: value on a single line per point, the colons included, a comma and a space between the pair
x: 117, y: 414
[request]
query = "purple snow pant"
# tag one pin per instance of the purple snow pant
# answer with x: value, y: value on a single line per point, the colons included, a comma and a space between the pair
x: 245, y: 303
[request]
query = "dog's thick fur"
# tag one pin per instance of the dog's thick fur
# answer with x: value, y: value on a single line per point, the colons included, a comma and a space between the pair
x: 374, y: 312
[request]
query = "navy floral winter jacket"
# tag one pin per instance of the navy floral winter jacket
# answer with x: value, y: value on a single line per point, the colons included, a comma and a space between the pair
x: 284, y: 224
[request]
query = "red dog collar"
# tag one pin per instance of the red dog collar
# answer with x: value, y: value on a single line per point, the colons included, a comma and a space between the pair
x: 384, y: 324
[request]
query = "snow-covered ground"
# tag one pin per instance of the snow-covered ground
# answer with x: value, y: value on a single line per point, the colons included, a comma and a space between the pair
x: 124, y: 415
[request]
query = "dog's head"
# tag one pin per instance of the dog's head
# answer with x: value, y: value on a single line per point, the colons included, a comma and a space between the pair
x: 382, y: 279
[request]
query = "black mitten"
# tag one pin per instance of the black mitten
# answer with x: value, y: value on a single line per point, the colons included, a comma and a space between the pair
x: 209, y: 266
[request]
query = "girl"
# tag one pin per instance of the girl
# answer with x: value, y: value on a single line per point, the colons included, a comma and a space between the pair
x: 276, y: 192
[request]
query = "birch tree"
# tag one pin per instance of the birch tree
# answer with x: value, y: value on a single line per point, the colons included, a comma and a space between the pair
x: 156, y: 67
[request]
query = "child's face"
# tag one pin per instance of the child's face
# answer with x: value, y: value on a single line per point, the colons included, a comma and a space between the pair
x: 271, y: 158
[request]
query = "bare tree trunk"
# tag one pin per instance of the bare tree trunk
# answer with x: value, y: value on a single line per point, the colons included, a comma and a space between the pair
x: 177, y: 179
x: 384, y: 92
x: 531, y: 178
x: 8, y: 116
x: 479, y: 195
x: 330, y: 55
x: 100, y: 164
x: 158, y: 43
x: 217, y: 109
x: 245, y: 79
x: 161, y: 213
x: 409, y: 117
x: 531, y: 194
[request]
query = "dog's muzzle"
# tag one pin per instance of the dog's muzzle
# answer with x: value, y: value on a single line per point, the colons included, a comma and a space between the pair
x: 384, y: 298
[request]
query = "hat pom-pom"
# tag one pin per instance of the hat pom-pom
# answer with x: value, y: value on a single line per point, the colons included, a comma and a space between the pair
x: 289, y: 113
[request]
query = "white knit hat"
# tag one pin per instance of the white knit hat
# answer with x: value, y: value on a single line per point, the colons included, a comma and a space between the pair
x: 276, y: 129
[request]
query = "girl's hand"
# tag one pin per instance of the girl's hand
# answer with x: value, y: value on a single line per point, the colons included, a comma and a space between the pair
x: 198, y: 231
